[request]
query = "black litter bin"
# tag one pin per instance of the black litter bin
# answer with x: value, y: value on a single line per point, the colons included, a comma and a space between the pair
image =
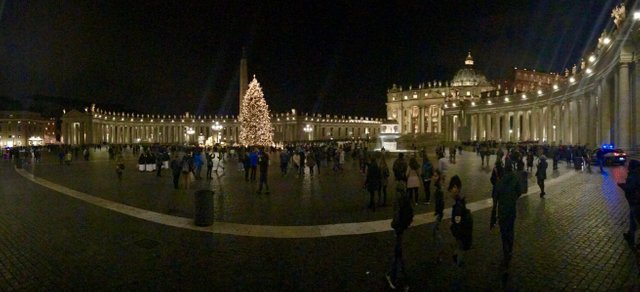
x: 204, y: 208
x: 18, y: 162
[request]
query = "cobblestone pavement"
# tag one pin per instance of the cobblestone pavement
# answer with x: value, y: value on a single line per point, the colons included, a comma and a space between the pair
x: 48, y: 241
x: 326, y: 198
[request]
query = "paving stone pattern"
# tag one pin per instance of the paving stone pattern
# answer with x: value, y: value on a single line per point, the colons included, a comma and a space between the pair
x: 571, y: 240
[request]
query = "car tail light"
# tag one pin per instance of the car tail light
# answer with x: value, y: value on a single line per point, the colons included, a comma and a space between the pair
x: 616, y: 154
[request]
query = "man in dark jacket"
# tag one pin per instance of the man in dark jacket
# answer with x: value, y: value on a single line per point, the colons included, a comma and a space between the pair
x: 373, y: 182
x: 632, y: 192
x: 508, y: 191
x: 541, y: 174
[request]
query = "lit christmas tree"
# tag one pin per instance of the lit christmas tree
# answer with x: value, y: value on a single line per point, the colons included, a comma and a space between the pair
x: 255, y: 124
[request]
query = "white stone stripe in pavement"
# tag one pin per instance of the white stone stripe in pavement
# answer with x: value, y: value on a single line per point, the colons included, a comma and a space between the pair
x: 311, y: 231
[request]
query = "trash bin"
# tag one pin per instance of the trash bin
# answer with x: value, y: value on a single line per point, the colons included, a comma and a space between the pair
x: 204, y: 208
x: 18, y: 162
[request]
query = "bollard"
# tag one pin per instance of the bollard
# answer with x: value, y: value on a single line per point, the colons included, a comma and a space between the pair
x: 204, y: 208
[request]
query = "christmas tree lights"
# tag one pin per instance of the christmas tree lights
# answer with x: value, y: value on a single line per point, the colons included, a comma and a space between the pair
x: 255, y: 123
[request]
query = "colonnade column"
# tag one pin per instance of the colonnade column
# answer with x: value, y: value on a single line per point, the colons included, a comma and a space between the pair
x: 481, y: 127
x: 624, y: 109
x: 605, y: 113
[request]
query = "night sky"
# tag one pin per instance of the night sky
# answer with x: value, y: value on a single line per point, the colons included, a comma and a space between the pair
x: 334, y: 57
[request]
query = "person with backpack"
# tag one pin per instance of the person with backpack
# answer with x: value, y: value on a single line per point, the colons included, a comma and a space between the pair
x: 541, y: 174
x: 508, y: 191
x: 461, y: 223
x: 426, y: 174
x: 402, y: 218
x: 631, y: 189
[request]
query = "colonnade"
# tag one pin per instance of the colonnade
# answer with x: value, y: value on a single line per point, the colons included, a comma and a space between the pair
x: 80, y: 128
x: 602, y: 109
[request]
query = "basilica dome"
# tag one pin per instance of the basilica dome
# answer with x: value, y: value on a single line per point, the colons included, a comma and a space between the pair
x: 468, y: 76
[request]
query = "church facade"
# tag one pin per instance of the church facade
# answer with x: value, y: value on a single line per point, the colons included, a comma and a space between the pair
x: 596, y: 102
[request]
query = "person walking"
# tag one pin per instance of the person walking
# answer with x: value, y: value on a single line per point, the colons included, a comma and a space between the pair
x: 496, y: 175
x: 402, y: 218
x: 296, y: 162
x: 413, y: 179
x: 187, y: 170
x: 426, y: 174
x: 210, y: 164
x: 263, y: 162
x: 311, y: 162
x: 384, y: 182
x: 541, y: 174
x: 530, y: 161
x: 631, y: 189
x: 508, y: 191
x: 600, y: 157
x: 253, y: 159
x: 302, y: 162
x: 176, y: 169
x: 158, y: 164
x: 246, y: 162
x: 373, y: 182
x: 119, y: 166
x: 284, y: 161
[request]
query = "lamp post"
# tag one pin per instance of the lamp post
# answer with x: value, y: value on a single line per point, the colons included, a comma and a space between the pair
x: 217, y: 127
x: 308, y: 129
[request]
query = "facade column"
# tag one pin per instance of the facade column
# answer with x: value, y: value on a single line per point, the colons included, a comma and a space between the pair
x: 429, y: 126
x: 481, y: 126
x: 623, y: 132
x: 574, y: 123
x: 505, y: 127
x: 421, y: 119
x: 440, y: 113
x: 400, y: 119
